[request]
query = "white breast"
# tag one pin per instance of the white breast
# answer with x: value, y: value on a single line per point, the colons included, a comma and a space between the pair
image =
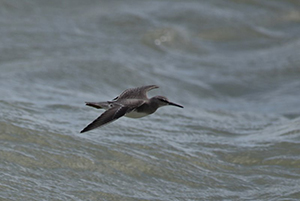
x: 135, y: 114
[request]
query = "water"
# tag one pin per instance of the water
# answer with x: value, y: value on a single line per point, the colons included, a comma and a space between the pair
x: 234, y: 65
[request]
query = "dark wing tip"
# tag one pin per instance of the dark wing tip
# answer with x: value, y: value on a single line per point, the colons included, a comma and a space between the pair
x: 89, y: 127
x: 92, y: 104
x: 148, y: 87
x: 85, y: 129
x: 106, y: 117
x: 154, y: 86
x: 145, y: 89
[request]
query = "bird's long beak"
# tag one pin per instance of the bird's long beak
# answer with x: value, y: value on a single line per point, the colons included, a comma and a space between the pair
x: 174, y: 104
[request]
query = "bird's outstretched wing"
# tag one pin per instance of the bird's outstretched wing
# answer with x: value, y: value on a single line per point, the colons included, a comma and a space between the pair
x: 102, y: 105
x: 136, y: 93
x: 108, y: 116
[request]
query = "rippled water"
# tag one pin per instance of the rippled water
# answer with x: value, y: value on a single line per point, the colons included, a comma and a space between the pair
x: 234, y: 65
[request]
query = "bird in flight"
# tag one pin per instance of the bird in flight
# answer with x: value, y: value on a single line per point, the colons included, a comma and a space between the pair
x: 132, y: 103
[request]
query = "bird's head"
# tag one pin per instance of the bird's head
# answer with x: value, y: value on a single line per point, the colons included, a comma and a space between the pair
x: 163, y: 101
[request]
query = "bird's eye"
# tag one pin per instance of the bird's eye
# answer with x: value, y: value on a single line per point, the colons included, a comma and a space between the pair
x: 163, y: 100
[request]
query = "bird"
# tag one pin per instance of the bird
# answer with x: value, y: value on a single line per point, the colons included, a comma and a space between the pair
x: 132, y: 103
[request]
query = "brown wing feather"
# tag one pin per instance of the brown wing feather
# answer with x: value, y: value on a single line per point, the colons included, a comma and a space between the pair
x: 137, y: 93
x: 107, y: 117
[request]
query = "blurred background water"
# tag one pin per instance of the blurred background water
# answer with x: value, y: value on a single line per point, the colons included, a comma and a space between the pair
x: 234, y: 65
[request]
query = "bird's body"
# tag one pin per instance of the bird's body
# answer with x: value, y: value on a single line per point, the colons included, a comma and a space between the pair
x: 132, y: 103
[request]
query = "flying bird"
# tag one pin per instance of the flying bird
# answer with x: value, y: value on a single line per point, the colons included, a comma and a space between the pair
x: 132, y: 103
